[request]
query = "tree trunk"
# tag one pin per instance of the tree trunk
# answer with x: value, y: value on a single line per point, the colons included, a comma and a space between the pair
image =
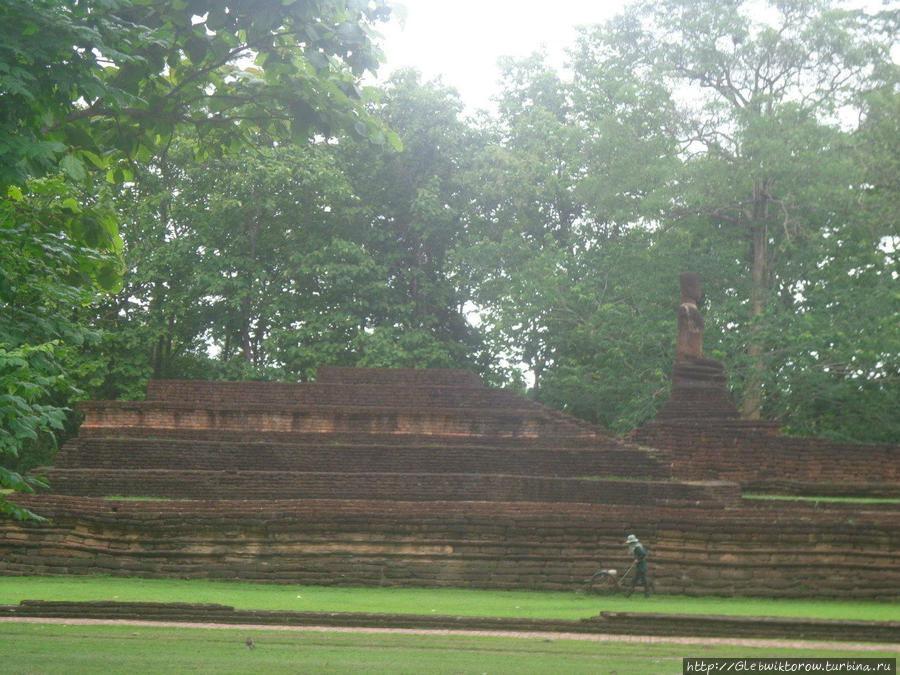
x: 759, y: 262
x: 246, y: 304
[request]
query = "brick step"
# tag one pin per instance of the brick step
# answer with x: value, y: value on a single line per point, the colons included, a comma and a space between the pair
x: 715, y: 527
x: 851, y: 488
x: 209, y: 455
x: 383, y: 486
x: 282, y: 394
x: 402, y: 376
x: 356, y: 438
x: 131, y: 417
x: 694, y: 551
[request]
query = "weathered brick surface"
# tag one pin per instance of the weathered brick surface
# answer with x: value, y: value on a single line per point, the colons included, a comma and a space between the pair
x: 855, y: 489
x: 286, y: 394
x: 413, y: 486
x: 136, y: 416
x: 743, y: 551
x: 429, y: 377
x: 753, y: 453
x: 342, y: 455
x: 375, y: 477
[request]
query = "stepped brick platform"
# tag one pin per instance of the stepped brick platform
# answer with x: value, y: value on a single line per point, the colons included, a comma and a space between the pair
x: 699, y: 391
x: 704, y: 441
x: 415, y: 436
x: 362, y: 454
x: 429, y: 478
x: 345, y: 405
x: 755, y: 455
x: 551, y: 546
x: 391, y: 486
x: 700, y: 431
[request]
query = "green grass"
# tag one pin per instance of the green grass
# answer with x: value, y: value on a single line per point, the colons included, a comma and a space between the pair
x: 50, y: 649
x: 849, y: 500
x: 445, y: 601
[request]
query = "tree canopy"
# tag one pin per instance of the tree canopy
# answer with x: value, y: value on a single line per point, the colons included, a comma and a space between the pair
x: 729, y: 138
x: 93, y: 89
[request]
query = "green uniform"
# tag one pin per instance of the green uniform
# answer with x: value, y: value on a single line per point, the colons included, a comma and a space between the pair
x: 640, y: 569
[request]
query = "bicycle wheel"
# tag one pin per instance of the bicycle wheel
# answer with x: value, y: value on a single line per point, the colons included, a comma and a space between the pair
x: 602, y: 583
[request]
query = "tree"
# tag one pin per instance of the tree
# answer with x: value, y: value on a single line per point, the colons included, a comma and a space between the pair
x: 243, y: 266
x: 764, y: 153
x: 86, y: 88
x: 413, y: 215
x: 522, y: 213
x: 278, y: 260
x: 715, y: 137
x: 89, y: 82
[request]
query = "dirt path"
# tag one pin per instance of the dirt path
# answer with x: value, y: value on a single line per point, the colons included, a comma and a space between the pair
x: 590, y: 637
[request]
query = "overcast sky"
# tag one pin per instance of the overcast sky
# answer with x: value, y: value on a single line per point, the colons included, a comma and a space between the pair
x: 462, y: 40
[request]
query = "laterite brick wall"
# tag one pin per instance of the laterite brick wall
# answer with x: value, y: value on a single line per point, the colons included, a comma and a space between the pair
x: 378, y: 455
x: 743, y: 551
x: 287, y: 395
x: 134, y: 416
x: 181, y: 484
x: 753, y: 453
x: 427, y: 478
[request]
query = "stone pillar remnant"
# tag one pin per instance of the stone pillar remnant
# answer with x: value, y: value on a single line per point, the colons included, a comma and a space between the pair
x: 690, y: 322
x: 698, y: 383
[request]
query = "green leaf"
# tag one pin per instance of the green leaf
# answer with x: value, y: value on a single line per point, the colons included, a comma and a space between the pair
x: 317, y: 60
x: 196, y: 48
x: 95, y: 159
x: 73, y: 167
x: 361, y: 128
x: 71, y: 204
x: 394, y: 140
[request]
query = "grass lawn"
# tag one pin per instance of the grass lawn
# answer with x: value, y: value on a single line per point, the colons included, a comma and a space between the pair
x: 447, y: 601
x: 49, y: 649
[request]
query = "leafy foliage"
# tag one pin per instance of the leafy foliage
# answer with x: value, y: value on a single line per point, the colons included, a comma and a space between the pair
x: 90, y: 88
x: 278, y: 260
x: 88, y: 82
x: 58, y: 250
x: 201, y: 189
x: 712, y: 137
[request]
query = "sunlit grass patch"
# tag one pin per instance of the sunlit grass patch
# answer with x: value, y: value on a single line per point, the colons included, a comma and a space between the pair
x: 443, y: 601
x: 74, y: 649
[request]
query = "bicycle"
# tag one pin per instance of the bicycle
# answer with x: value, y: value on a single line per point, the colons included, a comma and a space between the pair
x: 605, y: 582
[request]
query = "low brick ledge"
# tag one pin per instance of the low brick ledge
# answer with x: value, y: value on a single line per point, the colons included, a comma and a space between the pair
x: 616, y: 623
x: 871, y: 489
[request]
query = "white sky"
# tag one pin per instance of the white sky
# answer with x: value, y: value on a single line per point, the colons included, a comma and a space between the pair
x: 461, y: 40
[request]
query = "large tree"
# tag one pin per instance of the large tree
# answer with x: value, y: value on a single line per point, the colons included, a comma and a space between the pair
x: 278, y: 260
x: 522, y: 214
x: 740, y: 140
x: 413, y: 205
x: 766, y: 95
x: 87, y: 87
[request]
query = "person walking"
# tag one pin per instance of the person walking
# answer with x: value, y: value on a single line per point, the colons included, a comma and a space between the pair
x: 639, y: 552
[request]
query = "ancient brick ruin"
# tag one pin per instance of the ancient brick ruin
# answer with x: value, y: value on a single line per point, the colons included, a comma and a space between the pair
x: 704, y: 438
x: 429, y: 478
